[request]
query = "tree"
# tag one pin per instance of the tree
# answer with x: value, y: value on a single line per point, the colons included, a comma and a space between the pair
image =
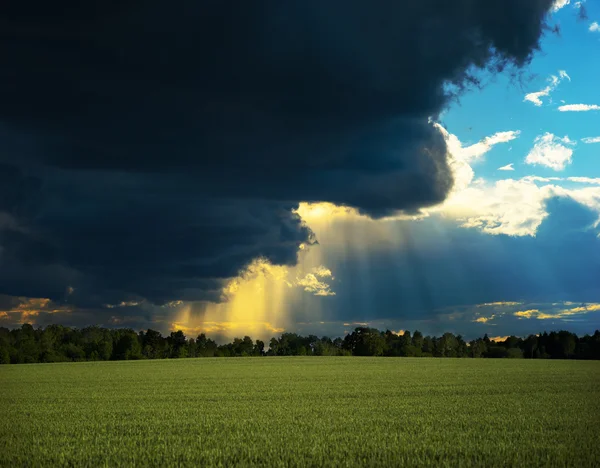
x: 127, y: 345
x: 447, y: 346
x: 191, y: 348
x: 530, y: 346
x: 417, y: 340
x: 5, y: 346
x: 568, y: 343
x: 4, y: 354
x: 478, y: 348
x: 259, y: 348
x: 365, y: 342
x: 56, y: 343
x: 177, y: 342
x: 28, y: 350
x: 428, y: 346
x: 153, y: 344
x: 74, y: 352
x: 205, y: 347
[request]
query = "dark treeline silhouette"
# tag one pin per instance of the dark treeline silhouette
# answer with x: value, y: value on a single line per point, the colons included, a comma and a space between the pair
x: 57, y: 343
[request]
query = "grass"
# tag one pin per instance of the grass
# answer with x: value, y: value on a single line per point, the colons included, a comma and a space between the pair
x: 302, y: 412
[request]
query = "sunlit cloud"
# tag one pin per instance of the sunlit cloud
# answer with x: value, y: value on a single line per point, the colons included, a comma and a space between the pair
x: 594, y: 27
x: 322, y: 271
x: 463, y: 156
x: 508, y: 167
x: 551, y: 151
x: 589, y: 140
x: 579, y: 107
x: 554, y: 81
x: 526, y: 313
x: 498, y: 338
x: 510, y: 207
x: 313, y: 285
x: 484, y: 319
x: 532, y: 178
x: 28, y: 309
x: 316, y: 212
x: 559, y: 314
x: 514, y: 207
x: 558, y: 4
x: 585, y: 180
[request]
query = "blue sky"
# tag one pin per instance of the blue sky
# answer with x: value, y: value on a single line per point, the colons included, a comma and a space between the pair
x: 500, y: 105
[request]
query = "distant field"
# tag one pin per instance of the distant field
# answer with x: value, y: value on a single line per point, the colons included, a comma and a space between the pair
x: 302, y: 411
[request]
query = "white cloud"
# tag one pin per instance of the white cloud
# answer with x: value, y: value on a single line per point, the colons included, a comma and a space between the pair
x: 591, y: 139
x: 512, y: 207
x: 554, y: 82
x: 475, y: 151
x: 563, y: 74
x: 579, y: 107
x: 595, y: 27
x: 508, y: 167
x: 533, y: 178
x: 461, y: 155
x: 312, y: 284
x: 558, y: 4
x: 535, y: 97
x: 585, y: 180
x: 550, y: 151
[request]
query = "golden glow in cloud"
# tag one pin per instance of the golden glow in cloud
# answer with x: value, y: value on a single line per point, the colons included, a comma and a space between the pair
x: 498, y: 338
x: 526, y: 313
x: 319, y: 212
x: 27, y: 309
x: 256, y: 303
x: 535, y: 313
x: 484, y: 319
x: 313, y: 285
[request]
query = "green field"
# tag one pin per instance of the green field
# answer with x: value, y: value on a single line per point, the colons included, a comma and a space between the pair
x: 302, y: 412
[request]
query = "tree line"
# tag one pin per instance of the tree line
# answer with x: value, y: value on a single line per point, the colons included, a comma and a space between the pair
x: 57, y: 343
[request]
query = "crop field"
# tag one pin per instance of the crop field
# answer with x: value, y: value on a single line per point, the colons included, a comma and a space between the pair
x: 302, y: 412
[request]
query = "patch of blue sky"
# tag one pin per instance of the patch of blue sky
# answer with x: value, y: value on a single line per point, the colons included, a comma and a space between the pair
x: 500, y: 105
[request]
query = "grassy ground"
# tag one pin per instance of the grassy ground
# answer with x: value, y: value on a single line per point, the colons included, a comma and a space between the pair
x: 302, y: 412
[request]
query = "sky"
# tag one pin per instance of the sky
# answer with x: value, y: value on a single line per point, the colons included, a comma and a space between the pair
x: 254, y: 168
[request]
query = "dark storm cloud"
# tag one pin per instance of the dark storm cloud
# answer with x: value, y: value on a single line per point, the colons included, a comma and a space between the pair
x: 160, y: 244
x: 171, y: 139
